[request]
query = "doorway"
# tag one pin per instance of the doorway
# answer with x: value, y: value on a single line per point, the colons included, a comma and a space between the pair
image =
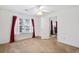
x: 53, y: 26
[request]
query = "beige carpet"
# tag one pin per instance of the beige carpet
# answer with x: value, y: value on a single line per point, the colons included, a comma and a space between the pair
x: 37, y: 45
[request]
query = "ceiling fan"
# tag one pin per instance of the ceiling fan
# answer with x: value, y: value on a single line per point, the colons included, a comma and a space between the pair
x: 41, y: 10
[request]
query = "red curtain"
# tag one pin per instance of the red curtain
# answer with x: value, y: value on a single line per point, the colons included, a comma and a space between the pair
x: 51, y: 31
x: 56, y: 28
x: 12, y: 29
x: 33, y: 25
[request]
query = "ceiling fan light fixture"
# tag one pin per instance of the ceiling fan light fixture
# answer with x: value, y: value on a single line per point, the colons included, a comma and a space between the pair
x: 40, y: 13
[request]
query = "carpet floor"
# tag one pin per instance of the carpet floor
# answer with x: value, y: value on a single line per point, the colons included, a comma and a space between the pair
x: 37, y: 45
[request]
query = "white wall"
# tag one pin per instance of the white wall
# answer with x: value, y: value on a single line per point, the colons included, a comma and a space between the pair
x: 6, y: 22
x: 68, y: 29
x: 37, y: 25
x: 44, y: 27
x: 5, y: 26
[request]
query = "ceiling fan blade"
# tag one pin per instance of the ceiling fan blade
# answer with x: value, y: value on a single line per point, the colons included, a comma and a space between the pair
x: 45, y: 11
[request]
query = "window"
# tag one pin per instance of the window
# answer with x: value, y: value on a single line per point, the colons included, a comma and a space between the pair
x: 25, y: 26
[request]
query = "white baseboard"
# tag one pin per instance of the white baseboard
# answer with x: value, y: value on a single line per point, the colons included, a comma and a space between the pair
x: 5, y: 41
x: 69, y: 43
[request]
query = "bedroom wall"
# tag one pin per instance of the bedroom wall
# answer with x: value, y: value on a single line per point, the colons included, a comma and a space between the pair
x: 68, y: 29
x: 37, y: 25
x: 45, y: 31
x: 5, y: 26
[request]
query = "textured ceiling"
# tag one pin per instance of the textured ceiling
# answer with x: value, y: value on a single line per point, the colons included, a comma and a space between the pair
x: 33, y: 9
